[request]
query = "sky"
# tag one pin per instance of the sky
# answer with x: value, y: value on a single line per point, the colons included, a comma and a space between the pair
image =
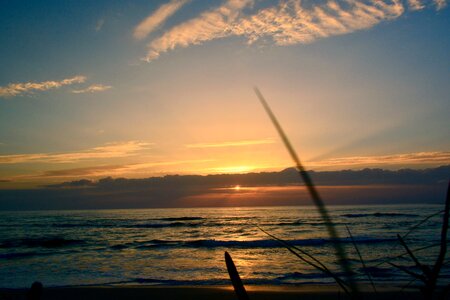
x: 134, y: 89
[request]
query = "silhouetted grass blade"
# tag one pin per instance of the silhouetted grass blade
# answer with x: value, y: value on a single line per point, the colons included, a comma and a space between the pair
x: 318, y: 265
x: 340, y: 253
x: 443, y: 249
x: 235, y: 279
x: 424, y: 268
x: 361, y: 259
x: 384, y: 261
x: 420, y: 223
x: 429, y: 275
x: 406, y: 270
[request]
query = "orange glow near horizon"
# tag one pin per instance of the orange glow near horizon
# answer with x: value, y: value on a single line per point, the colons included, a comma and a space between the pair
x: 234, y: 169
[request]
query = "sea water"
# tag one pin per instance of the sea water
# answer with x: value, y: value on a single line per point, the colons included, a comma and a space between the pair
x: 186, y: 246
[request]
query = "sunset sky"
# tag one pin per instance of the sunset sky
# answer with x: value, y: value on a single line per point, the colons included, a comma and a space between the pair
x: 90, y: 89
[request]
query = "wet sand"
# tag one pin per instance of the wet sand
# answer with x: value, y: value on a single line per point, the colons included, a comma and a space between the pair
x: 197, y: 292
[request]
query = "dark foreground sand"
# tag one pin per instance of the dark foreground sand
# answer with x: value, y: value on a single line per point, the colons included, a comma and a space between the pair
x: 194, y: 292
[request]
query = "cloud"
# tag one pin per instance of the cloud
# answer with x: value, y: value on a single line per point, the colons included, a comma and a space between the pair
x: 157, y: 18
x: 288, y: 177
x: 368, y: 186
x: 110, y: 170
x: 415, y: 4
x: 231, y: 144
x: 405, y: 158
x: 110, y: 150
x: 99, y: 24
x: 77, y: 172
x: 94, y: 88
x: 440, y: 4
x: 287, y: 23
x: 14, y: 89
x: 290, y: 23
x: 209, y: 25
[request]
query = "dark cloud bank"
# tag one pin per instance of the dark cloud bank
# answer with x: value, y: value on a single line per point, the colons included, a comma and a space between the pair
x: 368, y: 186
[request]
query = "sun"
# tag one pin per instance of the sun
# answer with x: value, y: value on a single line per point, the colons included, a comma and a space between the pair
x: 237, y: 188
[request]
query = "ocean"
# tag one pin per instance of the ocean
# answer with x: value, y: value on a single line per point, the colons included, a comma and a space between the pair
x: 186, y: 246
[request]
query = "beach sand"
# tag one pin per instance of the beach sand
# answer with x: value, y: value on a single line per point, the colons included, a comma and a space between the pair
x: 196, y: 292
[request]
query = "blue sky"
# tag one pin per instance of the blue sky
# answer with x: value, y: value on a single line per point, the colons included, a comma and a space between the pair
x: 142, y: 88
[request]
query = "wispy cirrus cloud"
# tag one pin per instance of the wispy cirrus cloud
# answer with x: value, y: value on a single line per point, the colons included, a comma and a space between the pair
x: 416, y: 4
x: 287, y: 23
x: 209, y: 25
x: 440, y: 4
x: 15, y: 89
x: 93, y: 88
x: 434, y: 158
x: 231, y: 144
x: 157, y: 18
x: 111, y: 150
x: 99, y: 24
x: 112, y: 170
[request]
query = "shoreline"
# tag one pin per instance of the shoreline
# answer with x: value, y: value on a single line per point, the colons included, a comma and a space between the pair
x: 206, y: 292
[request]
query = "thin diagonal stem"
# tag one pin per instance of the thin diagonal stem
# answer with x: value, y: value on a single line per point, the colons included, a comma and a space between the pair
x: 361, y: 259
x: 320, y: 266
x: 443, y: 249
x: 386, y: 260
x: 339, y: 250
x: 424, y: 269
x: 415, y: 275
x: 420, y: 223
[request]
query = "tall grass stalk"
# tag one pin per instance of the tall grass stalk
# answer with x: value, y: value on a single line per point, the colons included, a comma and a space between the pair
x: 429, y: 275
x: 320, y: 205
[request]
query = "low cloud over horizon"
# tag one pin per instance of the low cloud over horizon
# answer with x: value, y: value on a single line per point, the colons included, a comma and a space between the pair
x: 53, y: 164
x: 368, y: 186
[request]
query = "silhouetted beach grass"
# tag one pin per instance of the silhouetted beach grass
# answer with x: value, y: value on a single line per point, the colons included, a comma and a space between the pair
x: 428, y: 275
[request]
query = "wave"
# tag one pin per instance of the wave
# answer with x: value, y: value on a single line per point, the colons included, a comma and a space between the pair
x: 223, y: 282
x: 378, y: 271
x: 211, y: 243
x: 191, y: 222
x: 162, y: 225
x: 296, y: 223
x: 199, y: 282
x: 301, y: 276
x: 182, y: 219
x: 137, y: 225
x: 18, y: 255
x: 45, y: 242
x: 378, y: 215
